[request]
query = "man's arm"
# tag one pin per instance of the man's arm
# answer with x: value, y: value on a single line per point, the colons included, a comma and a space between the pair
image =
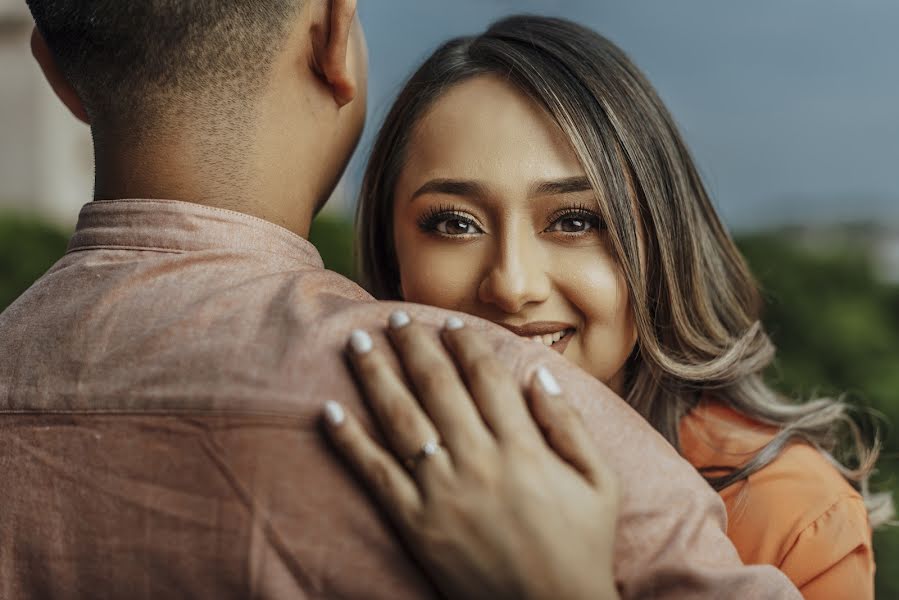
x: 671, y: 540
x: 237, y: 493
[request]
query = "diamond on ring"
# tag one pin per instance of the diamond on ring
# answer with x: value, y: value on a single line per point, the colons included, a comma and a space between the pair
x: 428, y: 449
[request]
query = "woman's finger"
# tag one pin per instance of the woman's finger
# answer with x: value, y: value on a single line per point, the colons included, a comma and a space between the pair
x: 564, y: 429
x: 405, y: 425
x: 390, y: 483
x: 437, y: 385
x: 495, y: 391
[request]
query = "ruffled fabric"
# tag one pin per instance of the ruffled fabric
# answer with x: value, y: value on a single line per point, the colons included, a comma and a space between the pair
x: 798, y: 513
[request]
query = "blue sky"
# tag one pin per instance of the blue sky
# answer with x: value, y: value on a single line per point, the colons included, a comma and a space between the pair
x: 791, y: 107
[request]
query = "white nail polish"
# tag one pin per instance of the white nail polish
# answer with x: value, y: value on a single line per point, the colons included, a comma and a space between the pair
x: 548, y: 382
x: 360, y: 342
x: 334, y: 413
x: 398, y: 319
x: 454, y: 323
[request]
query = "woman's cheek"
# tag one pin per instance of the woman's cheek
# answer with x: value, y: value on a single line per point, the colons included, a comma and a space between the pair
x: 440, y: 273
x: 599, y: 292
x: 594, y: 285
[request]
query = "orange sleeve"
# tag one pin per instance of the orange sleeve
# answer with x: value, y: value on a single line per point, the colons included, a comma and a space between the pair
x: 797, y: 513
x: 849, y: 578
x: 832, y: 556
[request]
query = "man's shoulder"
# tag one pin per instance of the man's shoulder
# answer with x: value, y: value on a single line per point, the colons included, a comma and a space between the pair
x: 135, y: 330
x: 120, y: 329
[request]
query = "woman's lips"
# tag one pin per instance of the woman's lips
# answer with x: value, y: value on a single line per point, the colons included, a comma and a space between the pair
x: 553, y: 334
x: 563, y: 343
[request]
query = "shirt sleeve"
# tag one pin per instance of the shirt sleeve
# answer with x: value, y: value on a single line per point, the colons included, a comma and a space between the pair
x: 832, y: 556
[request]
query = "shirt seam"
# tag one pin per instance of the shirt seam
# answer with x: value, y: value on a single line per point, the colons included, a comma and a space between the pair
x: 201, y: 207
x: 830, y: 508
x: 160, y: 249
x: 306, y: 252
x: 164, y: 250
x: 217, y: 411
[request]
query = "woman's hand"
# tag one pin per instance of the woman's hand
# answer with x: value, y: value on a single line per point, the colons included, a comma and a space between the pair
x: 495, y: 501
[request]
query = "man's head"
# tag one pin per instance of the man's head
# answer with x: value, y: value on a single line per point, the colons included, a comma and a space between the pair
x: 128, y: 60
x: 234, y: 85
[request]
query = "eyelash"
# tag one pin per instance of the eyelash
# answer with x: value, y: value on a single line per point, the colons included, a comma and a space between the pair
x: 429, y: 221
x: 581, y: 212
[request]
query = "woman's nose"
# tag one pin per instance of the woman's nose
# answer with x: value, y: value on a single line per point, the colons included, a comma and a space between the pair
x: 517, y: 278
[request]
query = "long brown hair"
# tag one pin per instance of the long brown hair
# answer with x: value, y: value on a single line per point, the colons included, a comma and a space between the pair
x: 696, y: 306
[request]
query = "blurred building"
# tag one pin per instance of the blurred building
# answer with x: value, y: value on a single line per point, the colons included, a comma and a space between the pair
x: 46, y: 161
x: 885, y: 254
x: 879, y: 241
x: 46, y: 158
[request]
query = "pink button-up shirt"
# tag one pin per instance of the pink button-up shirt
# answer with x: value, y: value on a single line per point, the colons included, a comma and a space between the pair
x: 160, y: 389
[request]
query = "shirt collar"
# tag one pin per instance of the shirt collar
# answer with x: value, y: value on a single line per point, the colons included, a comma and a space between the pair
x: 183, y: 227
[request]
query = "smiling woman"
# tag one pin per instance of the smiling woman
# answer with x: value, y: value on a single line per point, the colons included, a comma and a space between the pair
x: 532, y: 177
x: 495, y: 216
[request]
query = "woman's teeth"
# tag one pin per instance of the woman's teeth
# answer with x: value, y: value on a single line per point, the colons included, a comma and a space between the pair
x: 550, y: 338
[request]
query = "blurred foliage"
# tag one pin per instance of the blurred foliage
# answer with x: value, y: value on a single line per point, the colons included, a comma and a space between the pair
x: 333, y: 237
x: 835, y: 324
x: 28, y: 247
x: 836, y: 328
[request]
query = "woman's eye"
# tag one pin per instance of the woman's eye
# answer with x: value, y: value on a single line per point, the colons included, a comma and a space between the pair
x: 456, y: 226
x: 450, y: 222
x: 575, y: 223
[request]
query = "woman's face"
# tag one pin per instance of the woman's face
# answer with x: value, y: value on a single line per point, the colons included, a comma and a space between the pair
x: 494, y: 216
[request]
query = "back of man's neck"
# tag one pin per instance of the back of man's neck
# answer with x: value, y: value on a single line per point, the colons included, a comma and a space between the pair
x: 188, y: 174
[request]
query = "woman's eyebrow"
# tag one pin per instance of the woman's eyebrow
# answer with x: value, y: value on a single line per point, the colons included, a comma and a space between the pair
x: 453, y: 187
x: 474, y: 189
x: 567, y: 185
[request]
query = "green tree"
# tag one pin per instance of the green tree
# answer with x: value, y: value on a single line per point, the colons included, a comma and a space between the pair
x: 836, y: 327
x: 28, y: 247
x: 333, y: 237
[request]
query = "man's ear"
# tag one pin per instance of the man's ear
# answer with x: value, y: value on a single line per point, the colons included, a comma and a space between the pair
x: 55, y: 78
x: 331, y: 50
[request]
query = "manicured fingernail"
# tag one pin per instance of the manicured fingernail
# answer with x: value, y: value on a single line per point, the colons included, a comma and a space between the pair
x: 398, y: 319
x: 548, y: 382
x: 334, y: 413
x: 360, y: 342
x: 454, y: 323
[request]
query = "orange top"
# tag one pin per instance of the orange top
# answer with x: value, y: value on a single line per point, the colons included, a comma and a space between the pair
x: 798, y: 513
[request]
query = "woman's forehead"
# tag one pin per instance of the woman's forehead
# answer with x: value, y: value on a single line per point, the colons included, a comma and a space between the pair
x: 485, y: 128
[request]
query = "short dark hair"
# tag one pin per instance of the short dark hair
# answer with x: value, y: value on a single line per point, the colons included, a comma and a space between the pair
x: 135, y: 59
